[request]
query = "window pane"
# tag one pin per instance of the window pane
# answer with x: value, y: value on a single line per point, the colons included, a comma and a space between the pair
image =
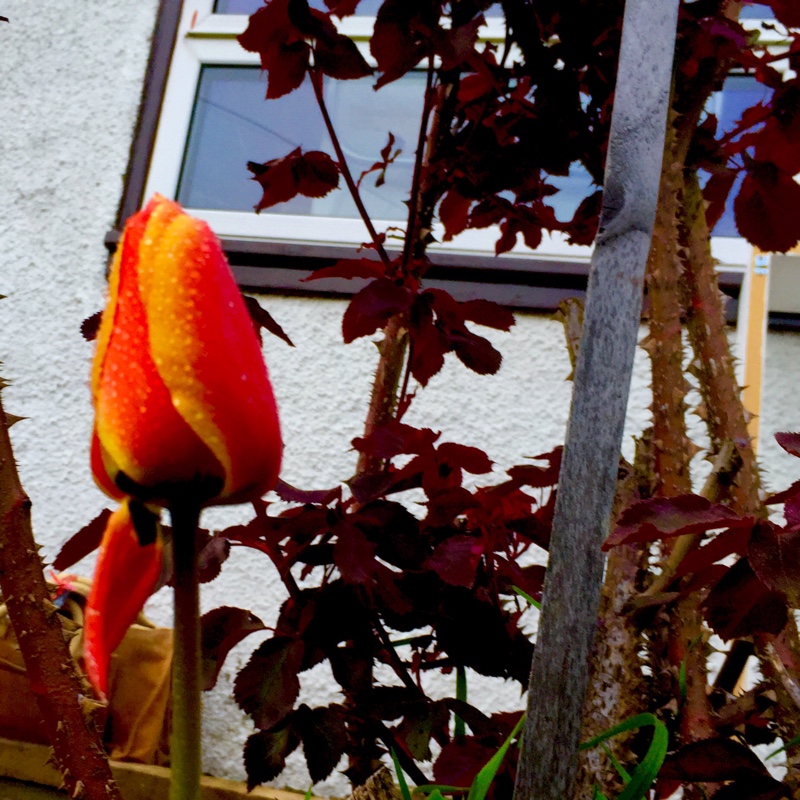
x: 234, y: 124
x: 738, y: 93
x: 365, y: 8
x: 756, y: 11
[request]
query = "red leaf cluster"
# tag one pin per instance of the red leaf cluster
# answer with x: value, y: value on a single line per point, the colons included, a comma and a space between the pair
x: 312, y: 174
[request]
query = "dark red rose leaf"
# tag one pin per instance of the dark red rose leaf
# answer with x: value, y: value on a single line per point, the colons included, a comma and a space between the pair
x: 342, y: 8
x: 774, y: 555
x: 757, y: 787
x: 91, y: 325
x: 480, y: 725
x: 454, y: 213
x: 287, y: 68
x: 790, y: 442
x: 538, y: 477
x: 779, y: 140
x: 221, y: 629
x: 263, y: 319
x: 716, y: 192
x: 323, y: 497
x: 475, y: 352
x: 461, y: 760
x: 267, y: 686
x: 662, y: 518
x: 395, y: 531
x: 456, y: 560
x: 283, y: 53
x: 767, y: 208
x: 398, y: 39
x: 80, y: 544
x: 456, y: 45
x: 712, y: 760
x: 265, y: 754
x: 423, y: 720
x: 786, y: 12
x: 740, y: 605
x: 349, y: 268
x: 277, y: 179
x: 530, y: 579
x: 316, y: 174
x: 429, y: 341
x: 387, y: 157
x: 734, y: 540
x: 509, y: 228
x: 446, y: 505
x: 488, y: 314
x: 395, y: 438
x: 212, y: 556
x: 373, y: 307
x: 310, y: 22
x: 791, y: 512
x: 583, y: 227
x: 323, y: 731
x: 470, y: 459
x: 268, y: 25
x: 353, y: 554
x: 340, y: 58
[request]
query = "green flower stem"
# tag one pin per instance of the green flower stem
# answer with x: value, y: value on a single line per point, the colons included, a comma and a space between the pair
x: 186, y: 670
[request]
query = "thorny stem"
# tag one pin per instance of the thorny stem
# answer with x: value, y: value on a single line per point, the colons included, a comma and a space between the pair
x: 316, y: 82
x: 185, y: 745
x: 62, y: 698
x: 396, y: 663
x: 414, y: 200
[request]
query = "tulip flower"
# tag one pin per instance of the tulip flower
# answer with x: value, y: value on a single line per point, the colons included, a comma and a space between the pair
x: 184, y: 411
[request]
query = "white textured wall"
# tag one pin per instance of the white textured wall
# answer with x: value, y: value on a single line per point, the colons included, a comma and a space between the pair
x: 69, y: 95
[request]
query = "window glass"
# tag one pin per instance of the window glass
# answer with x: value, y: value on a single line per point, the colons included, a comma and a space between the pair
x: 756, y: 11
x: 738, y: 93
x: 234, y: 124
x: 366, y: 8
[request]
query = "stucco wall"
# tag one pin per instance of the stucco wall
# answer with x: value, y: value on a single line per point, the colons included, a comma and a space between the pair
x: 69, y: 95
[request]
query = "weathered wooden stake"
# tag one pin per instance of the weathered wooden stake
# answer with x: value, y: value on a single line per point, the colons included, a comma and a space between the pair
x: 600, y: 394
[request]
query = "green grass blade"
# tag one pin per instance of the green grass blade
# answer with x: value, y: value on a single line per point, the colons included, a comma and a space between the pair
x: 483, y: 780
x: 621, y: 771
x: 525, y: 596
x: 443, y: 788
x: 401, y: 778
x: 790, y: 743
x: 647, y: 770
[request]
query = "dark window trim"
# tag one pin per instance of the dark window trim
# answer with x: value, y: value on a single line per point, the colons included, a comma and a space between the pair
x: 163, y: 43
x: 535, y: 284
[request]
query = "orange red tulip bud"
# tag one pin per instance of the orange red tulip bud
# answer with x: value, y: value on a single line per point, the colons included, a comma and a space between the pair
x: 184, y: 408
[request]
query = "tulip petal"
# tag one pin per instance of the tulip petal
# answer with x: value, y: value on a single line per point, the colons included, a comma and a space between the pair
x: 206, y: 351
x: 126, y: 574
x: 138, y: 430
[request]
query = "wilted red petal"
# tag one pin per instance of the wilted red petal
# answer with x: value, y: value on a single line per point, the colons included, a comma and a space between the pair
x: 124, y: 578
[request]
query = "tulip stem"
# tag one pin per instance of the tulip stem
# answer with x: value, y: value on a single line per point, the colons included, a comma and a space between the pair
x: 186, y: 670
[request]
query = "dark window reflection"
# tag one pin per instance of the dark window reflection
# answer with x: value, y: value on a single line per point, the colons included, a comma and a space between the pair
x: 234, y: 124
x: 367, y: 8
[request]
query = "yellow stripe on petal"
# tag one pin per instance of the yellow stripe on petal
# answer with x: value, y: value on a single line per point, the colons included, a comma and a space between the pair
x: 205, y: 349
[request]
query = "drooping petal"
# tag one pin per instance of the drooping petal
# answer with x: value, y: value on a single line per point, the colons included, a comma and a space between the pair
x: 127, y: 571
x: 205, y: 349
x: 138, y: 430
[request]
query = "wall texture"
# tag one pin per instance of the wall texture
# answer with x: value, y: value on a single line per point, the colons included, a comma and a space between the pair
x: 70, y: 91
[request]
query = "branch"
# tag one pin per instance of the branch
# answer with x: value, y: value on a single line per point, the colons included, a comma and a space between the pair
x: 60, y: 693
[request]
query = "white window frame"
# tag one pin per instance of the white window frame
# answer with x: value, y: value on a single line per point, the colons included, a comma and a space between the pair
x: 206, y: 38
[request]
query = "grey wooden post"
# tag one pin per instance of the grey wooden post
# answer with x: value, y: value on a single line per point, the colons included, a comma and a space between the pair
x: 600, y: 394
